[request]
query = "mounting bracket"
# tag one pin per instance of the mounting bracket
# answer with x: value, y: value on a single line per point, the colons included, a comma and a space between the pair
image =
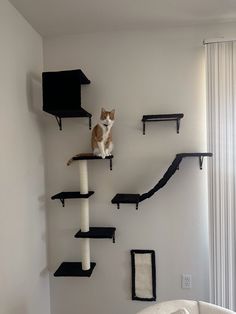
x: 59, y: 122
x: 177, y: 125
x: 201, y: 162
x: 62, y: 201
x: 144, y: 128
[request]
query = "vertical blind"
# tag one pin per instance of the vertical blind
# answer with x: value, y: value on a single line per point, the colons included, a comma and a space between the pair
x: 221, y: 103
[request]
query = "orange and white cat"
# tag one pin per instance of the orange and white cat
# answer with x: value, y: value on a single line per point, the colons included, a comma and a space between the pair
x: 101, y: 140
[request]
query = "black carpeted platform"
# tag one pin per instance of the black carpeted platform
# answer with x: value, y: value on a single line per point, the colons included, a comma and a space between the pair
x: 73, y: 269
x: 98, y: 233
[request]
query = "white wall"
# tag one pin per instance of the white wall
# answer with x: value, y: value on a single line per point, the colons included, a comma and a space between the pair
x: 136, y: 73
x: 24, y: 287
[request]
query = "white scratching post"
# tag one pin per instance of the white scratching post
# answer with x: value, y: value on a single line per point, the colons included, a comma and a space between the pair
x: 84, y: 214
x: 83, y: 176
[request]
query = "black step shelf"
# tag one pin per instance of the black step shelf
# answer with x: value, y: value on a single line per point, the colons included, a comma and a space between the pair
x: 92, y: 157
x: 62, y: 94
x: 70, y: 195
x: 123, y: 198
x: 98, y: 233
x: 73, y: 269
x: 162, y: 117
x: 137, y: 198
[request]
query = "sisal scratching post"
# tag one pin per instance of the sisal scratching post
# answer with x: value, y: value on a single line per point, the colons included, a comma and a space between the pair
x: 84, y: 214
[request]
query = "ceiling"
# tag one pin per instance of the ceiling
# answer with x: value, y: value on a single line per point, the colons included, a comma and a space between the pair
x: 63, y: 17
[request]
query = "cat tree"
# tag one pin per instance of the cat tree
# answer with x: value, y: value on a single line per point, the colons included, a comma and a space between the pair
x: 85, y: 267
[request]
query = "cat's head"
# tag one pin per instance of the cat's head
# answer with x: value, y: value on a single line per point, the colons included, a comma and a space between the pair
x: 107, y: 117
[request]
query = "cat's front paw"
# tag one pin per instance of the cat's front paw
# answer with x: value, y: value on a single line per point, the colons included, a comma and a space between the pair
x: 103, y: 156
x: 108, y: 153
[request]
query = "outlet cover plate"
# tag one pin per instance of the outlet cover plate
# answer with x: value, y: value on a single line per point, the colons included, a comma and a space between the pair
x: 186, y: 281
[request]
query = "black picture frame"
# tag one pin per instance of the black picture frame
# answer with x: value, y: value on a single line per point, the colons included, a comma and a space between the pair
x: 153, y: 269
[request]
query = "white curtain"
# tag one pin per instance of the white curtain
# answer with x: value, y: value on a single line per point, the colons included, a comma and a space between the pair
x: 221, y: 101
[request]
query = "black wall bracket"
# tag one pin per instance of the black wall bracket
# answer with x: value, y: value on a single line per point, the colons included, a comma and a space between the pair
x: 201, y: 158
x: 59, y: 122
x: 62, y: 201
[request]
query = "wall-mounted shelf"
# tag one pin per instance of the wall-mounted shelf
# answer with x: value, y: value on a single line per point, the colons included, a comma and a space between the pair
x: 137, y: 198
x: 126, y: 199
x: 162, y: 117
x: 62, y: 95
x: 81, y: 113
x: 62, y: 196
x: 73, y: 269
x: 98, y: 233
x: 92, y: 157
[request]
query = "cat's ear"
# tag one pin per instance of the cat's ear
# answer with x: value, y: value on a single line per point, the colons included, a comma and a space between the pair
x: 112, y: 114
x: 102, y: 116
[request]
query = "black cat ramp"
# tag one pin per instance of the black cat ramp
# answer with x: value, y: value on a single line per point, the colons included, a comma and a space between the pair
x: 137, y: 198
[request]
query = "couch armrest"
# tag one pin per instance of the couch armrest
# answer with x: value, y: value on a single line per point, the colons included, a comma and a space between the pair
x: 171, y: 306
x: 207, y: 308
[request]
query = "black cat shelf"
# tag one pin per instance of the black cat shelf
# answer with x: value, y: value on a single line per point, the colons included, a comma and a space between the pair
x: 62, y: 95
x: 93, y: 157
x: 137, y: 198
x: 162, y: 117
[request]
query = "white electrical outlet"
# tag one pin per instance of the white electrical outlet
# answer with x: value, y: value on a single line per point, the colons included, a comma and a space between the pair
x: 186, y: 281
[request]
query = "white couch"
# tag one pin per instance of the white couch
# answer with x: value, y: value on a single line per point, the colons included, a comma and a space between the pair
x: 193, y: 307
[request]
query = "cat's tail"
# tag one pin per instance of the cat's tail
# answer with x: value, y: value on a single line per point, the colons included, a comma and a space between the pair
x: 79, y: 155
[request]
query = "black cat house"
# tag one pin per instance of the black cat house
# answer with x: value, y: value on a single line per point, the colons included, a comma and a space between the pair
x: 62, y: 94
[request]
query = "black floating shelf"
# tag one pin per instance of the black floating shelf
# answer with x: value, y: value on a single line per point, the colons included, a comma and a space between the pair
x: 92, y: 157
x: 137, y: 198
x: 62, y: 95
x: 98, y: 233
x: 162, y: 117
x: 70, y: 195
x: 73, y: 269
x: 126, y: 199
